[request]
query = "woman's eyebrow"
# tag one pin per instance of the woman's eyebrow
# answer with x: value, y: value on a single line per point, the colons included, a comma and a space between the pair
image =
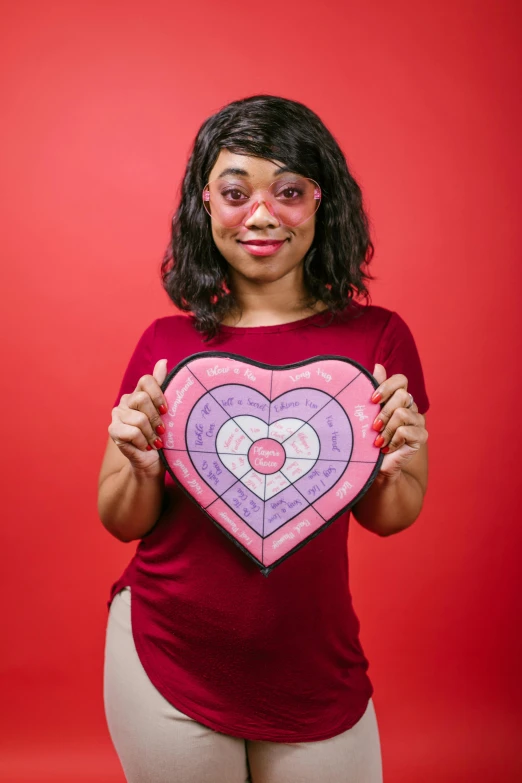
x: 235, y: 172
x: 242, y: 173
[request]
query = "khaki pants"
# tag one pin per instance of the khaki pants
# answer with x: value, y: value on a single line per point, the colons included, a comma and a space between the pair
x: 158, y: 744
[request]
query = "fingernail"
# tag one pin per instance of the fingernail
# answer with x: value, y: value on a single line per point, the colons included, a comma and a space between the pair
x: 379, y: 440
x: 385, y: 450
x: 163, y: 409
x: 377, y: 425
x: 159, y: 443
x: 376, y: 396
x: 160, y: 429
x: 149, y: 447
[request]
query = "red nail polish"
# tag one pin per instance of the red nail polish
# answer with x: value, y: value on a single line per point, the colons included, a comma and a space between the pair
x: 385, y: 450
x: 163, y: 409
x: 376, y: 397
x: 149, y: 447
x: 158, y: 443
x: 379, y: 440
x: 160, y: 429
x: 377, y: 425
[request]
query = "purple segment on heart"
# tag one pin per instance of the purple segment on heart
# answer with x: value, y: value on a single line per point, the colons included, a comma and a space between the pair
x: 283, y: 507
x: 300, y: 403
x: 204, y: 422
x: 246, y: 505
x: 335, y: 433
x: 322, y: 477
x: 239, y: 400
x: 212, y: 471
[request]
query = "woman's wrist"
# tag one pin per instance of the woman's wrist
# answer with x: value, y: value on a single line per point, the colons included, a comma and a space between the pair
x: 144, y: 475
x: 392, y: 503
x: 130, y: 501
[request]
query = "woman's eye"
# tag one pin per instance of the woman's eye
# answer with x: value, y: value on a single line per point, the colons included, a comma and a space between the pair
x: 290, y: 193
x: 232, y: 194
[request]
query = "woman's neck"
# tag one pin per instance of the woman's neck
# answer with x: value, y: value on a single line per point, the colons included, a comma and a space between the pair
x: 270, y: 304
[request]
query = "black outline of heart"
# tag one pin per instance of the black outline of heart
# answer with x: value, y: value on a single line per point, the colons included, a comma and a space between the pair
x: 265, y: 570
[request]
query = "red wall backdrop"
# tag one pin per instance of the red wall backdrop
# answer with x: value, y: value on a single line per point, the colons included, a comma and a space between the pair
x: 100, y: 104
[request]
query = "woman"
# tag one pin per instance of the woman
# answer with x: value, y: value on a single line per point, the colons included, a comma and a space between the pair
x: 223, y: 675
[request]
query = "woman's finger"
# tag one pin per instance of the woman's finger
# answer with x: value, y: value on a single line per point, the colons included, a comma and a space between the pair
x: 399, y: 399
x: 139, y: 419
x: 141, y: 401
x: 388, y: 387
x: 126, y: 435
x: 413, y: 436
x: 401, y: 418
x: 150, y: 385
x: 379, y: 373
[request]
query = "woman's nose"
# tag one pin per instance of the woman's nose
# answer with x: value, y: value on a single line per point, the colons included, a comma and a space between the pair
x: 261, y: 215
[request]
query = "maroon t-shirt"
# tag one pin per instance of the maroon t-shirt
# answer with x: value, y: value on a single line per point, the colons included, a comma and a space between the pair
x: 273, y: 658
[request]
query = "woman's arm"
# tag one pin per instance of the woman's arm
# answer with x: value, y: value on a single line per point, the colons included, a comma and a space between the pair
x: 394, y: 500
x: 129, y: 498
x: 131, y: 484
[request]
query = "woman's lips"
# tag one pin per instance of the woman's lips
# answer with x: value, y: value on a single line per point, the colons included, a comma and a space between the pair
x: 262, y: 247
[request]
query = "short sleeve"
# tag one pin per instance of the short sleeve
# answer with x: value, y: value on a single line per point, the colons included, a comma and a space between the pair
x: 398, y: 353
x: 140, y: 363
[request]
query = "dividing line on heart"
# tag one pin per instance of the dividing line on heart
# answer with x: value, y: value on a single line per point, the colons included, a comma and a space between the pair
x: 271, y: 454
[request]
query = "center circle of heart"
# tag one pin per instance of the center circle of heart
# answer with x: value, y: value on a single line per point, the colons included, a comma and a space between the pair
x: 266, y: 456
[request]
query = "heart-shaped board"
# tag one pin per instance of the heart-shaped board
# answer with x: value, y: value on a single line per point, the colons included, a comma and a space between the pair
x: 272, y: 454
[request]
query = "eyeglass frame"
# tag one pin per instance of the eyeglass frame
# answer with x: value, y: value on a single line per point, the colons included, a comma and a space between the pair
x: 317, y: 189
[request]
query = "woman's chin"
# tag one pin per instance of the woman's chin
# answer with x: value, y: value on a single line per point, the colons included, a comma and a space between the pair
x: 267, y: 272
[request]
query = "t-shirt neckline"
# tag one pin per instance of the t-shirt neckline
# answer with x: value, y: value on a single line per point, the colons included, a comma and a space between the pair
x: 284, y: 327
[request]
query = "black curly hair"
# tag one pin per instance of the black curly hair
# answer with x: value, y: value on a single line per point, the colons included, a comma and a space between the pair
x: 193, y: 271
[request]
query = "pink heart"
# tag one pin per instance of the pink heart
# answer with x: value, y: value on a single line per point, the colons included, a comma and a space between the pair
x: 273, y: 455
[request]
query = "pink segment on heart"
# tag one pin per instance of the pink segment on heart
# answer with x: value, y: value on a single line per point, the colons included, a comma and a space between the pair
x: 271, y: 454
x: 323, y: 375
x: 285, y: 539
x: 217, y: 371
x: 266, y: 456
x: 180, y: 400
x: 355, y: 400
x: 345, y: 490
x: 236, y: 527
x: 181, y: 466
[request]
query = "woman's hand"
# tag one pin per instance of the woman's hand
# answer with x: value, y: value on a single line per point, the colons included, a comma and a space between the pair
x: 136, y: 426
x: 401, y: 427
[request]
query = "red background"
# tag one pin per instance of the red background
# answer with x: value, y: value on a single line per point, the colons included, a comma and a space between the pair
x: 100, y: 104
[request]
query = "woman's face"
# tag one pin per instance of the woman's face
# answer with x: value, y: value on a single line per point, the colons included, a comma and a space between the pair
x: 232, y: 243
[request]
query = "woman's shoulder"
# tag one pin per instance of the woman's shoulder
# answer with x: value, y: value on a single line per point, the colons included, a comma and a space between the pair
x: 174, y: 322
x: 176, y: 325
x: 177, y: 330
x: 369, y: 316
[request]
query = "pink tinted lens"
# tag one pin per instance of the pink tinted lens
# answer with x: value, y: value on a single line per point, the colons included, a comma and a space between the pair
x: 291, y: 201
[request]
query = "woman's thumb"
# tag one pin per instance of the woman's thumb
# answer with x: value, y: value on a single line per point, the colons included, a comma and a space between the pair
x: 379, y: 373
x: 160, y: 371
